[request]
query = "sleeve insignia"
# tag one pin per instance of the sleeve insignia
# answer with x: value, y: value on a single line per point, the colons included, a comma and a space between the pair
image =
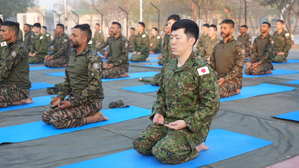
x: 41, y: 37
x: 96, y: 66
x: 143, y: 35
x: 90, y: 42
x: 158, y: 37
x: 287, y: 34
x: 13, y: 53
x: 47, y: 35
x: 203, y: 71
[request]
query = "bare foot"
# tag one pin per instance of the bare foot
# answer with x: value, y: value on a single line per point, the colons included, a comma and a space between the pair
x: 147, y: 60
x: 98, y: 117
x: 269, y: 72
x: 151, y: 52
x: 24, y: 101
x: 124, y: 75
x: 64, y: 65
x: 201, y: 147
x: 238, y: 91
x: 29, y: 100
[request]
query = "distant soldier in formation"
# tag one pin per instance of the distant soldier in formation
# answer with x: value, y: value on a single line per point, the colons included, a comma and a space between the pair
x: 29, y: 37
x: 39, y: 48
x: 207, y: 50
x: 165, y: 40
x: 20, y: 35
x: 155, y: 41
x: 262, y: 53
x: 202, y: 40
x: 106, y: 43
x: 131, y: 38
x: 48, y: 35
x: 246, y: 40
x: 228, y: 60
x: 59, y: 57
x: 141, y: 45
x: 227, y: 15
x: 98, y: 35
x: 283, y: 43
x: 117, y: 65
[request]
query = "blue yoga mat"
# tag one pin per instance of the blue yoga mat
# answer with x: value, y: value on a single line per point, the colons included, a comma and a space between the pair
x: 37, y: 130
x: 43, y: 68
x: 36, y: 63
x: 223, y: 145
x: 151, y: 61
x: 142, y: 88
x: 154, y: 66
x: 293, y: 82
x: 154, y: 55
x: 275, y: 73
x: 290, y: 61
x: 293, y: 116
x: 41, y: 85
x: 37, y: 101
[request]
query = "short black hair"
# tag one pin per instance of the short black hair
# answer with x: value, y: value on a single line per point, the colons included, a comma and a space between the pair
x: 45, y: 27
x: 214, y: 26
x: 133, y: 28
x: 175, y: 17
x: 13, y: 25
x: 267, y: 23
x: 37, y: 25
x: 98, y: 24
x: 191, y: 28
x: 229, y: 21
x: 206, y: 25
x: 1, y: 21
x: 245, y: 26
x: 26, y: 24
x: 155, y: 28
x: 86, y: 29
x: 60, y: 25
x: 117, y: 23
x: 281, y: 21
x: 142, y: 24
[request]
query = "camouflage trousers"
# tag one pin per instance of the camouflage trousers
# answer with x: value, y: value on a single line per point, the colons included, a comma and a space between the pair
x: 280, y: 59
x: 138, y: 58
x: 155, y: 49
x: 10, y: 94
x: 72, y: 117
x: 58, y: 62
x: 229, y: 88
x: 114, y: 72
x: 156, y: 79
x: 37, y: 59
x: 167, y: 145
x: 160, y: 61
x: 259, y: 70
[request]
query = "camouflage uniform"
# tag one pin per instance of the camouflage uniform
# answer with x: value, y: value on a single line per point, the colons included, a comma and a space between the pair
x: 2, y: 48
x: 20, y: 36
x: 48, y: 37
x: 156, y: 41
x: 61, y: 52
x: 228, y: 15
x: 262, y: 53
x: 14, y: 74
x: 98, y: 36
x: 141, y: 44
x: 184, y: 94
x: 165, y: 40
x: 84, y: 84
x: 227, y: 61
x: 131, y: 40
x: 40, y: 48
x: 92, y: 43
x: 29, y: 40
x: 246, y: 41
x: 102, y: 46
x: 207, y: 49
x: 119, y: 51
x: 283, y: 43
x: 201, y: 42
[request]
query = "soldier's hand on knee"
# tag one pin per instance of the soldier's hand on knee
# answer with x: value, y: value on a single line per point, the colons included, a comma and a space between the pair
x: 63, y: 105
x: 248, y: 65
x: 138, y: 53
x: 160, y: 56
x: 54, y: 102
x: 177, y: 125
x: 280, y: 53
x: 158, y: 119
x: 134, y: 52
x: 221, y: 81
x: 255, y: 65
x: 50, y: 58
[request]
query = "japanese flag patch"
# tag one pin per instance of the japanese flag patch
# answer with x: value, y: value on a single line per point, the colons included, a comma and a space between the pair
x: 90, y: 42
x: 287, y: 34
x: 203, y: 71
x: 100, y: 31
x: 3, y: 44
x: 41, y: 37
x: 143, y: 36
x: 158, y: 37
x: 47, y: 35
x: 272, y: 42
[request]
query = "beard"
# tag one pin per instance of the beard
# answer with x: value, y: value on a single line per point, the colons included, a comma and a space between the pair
x: 75, y: 44
x: 224, y: 35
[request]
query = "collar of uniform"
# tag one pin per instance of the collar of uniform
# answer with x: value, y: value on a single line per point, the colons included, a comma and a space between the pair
x: 62, y: 34
x: 119, y: 37
x: 228, y: 41
x: 12, y: 43
x: 141, y: 33
x: 187, y: 65
x: 84, y: 52
x: 261, y: 36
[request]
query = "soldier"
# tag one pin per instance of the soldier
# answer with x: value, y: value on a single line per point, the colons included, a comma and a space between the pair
x: 48, y: 35
x: 83, y: 84
x: 207, y: 50
x: 228, y: 15
x: 20, y: 35
x: 92, y: 43
x: 262, y: 50
x: 98, y: 35
x: 39, y: 48
x: 131, y: 38
x: 29, y: 37
x: 202, y: 40
x: 283, y: 43
x: 118, y: 63
x: 187, y: 101
x: 246, y: 40
x: 155, y: 41
x: 141, y: 45
x: 61, y: 50
x: 228, y: 60
x: 108, y: 41
x: 14, y: 71
x: 165, y: 40
x: 3, y: 44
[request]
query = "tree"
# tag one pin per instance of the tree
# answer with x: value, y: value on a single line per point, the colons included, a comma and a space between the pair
x: 10, y: 8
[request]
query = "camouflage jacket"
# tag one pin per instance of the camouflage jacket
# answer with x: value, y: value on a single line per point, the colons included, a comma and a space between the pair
x: 141, y: 44
x: 48, y: 37
x: 165, y: 39
x: 283, y: 42
x: 167, y: 54
x: 29, y: 39
x: 201, y: 42
x: 262, y: 49
x: 92, y: 43
x: 119, y: 51
x: 246, y: 41
x: 20, y: 36
x: 39, y: 45
x: 156, y: 41
x: 2, y: 48
x: 105, y: 44
x: 207, y: 50
x: 83, y: 77
x: 53, y: 41
x: 228, y: 59
x: 14, y: 68
x: 98, y: 36
x: 131, y: 40
x: 188, y: 93
x: 62, y: 47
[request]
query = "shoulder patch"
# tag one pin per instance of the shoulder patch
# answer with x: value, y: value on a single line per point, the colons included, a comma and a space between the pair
x: 203, y: 71
x: 100, y: 31
x: 158, y: 37
x: 96, y: 66
x: 243, y: 51
x: 47, y: 35
x: 90, y: 42
x: 287, y: 34
x: 41, y: 37
x: 272, y: 42
x: 32, y: 36
x: 143, y: 35
x: 65, y: 40
x: 13, y: 53
x: 3, y: 44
